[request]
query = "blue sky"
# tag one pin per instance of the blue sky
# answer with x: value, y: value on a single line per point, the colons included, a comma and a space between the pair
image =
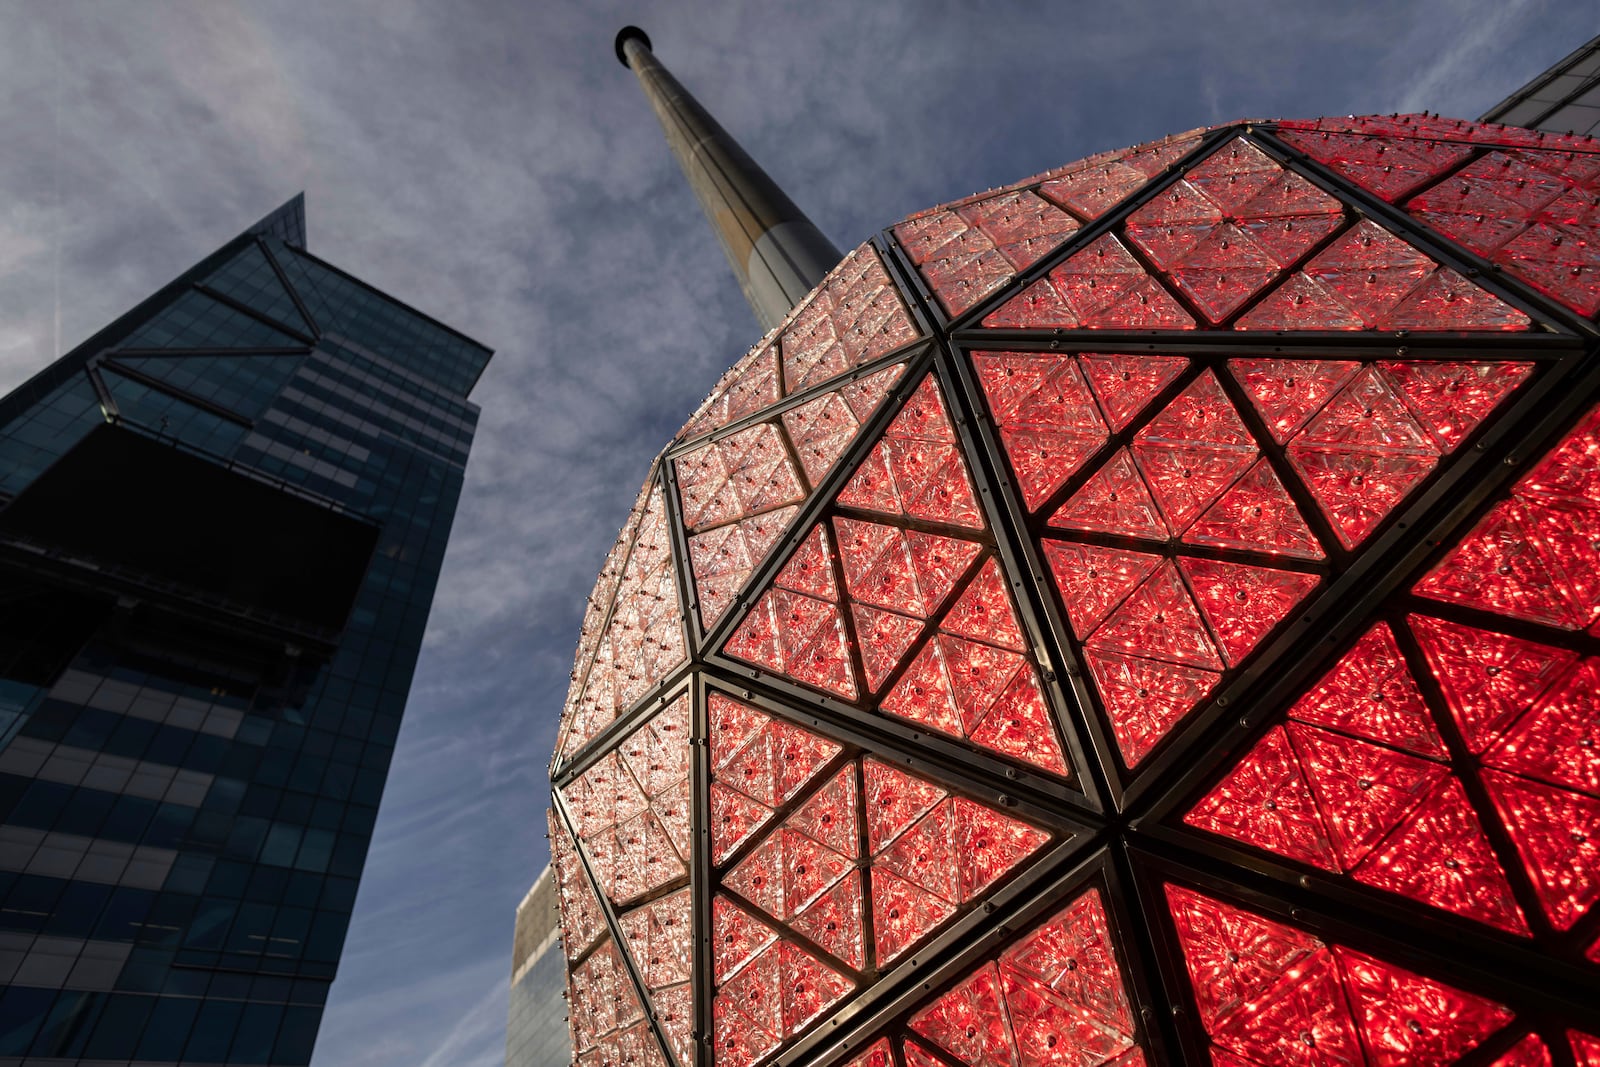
x: 489, y: 162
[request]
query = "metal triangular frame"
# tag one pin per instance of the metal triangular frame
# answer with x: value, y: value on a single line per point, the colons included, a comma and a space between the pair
x: 908, y: 976
x: 1130, y: 835
x: 860, y: 713
x: 1535, y: 962
x: 613, y: 919
x: 1537, y: 1006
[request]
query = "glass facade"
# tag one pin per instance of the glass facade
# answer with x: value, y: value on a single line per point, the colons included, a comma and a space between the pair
x: 536, y: 1026
x: 1145, y: 614
x: 221, y: 523
x: 1563, y: 99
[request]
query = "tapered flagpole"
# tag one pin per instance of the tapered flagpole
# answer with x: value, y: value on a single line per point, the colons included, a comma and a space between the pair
x: 777, y: 253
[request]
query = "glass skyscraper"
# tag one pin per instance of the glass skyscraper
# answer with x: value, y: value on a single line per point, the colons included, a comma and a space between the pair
x: 536, y: 1024
x: 222, y: 519
x: 1564, y: 98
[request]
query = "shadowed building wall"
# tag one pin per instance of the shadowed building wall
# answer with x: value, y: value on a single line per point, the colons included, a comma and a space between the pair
x: 221, y: 523
x: 536, y: 1027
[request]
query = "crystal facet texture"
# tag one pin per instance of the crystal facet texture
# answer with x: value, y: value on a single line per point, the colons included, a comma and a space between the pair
x: 1148, y: 613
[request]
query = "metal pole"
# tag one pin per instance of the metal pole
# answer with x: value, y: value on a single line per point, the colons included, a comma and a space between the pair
x: 777, y: 253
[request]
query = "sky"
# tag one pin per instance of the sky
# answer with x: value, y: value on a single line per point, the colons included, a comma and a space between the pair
x: 490, y: 163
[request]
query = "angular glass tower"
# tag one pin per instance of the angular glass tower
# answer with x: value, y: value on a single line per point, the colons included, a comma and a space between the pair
x: 1146, y: 614
x: 221, y: 523
x: 1563, y: 99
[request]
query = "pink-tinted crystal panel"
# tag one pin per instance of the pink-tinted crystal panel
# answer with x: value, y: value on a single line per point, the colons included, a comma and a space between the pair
x: 739, y: 493
x: 631, y: 808
x: 968, y: 253
x: 1160, y: 627
x: 1102, y: 287
x: 660, y: 939
x: 868, y: 840
x: 633, y: 630
x: 1533, y: 211
x: 917, y: 469
x: 855, y: 316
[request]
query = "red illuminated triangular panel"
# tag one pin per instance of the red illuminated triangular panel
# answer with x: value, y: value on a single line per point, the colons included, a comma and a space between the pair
x: 757, y: 764
x: 1145, y: 699
x: 1266, y: 802
x: 1231, y: 226
x: 1094, y: 580
x: 1532, y: 556
x: 1488, y: 679
x: 1056, y: 996
x: 1370, y: 279
x: 1271, y: 993
x: 779, y: 993
x: 1192, y: 451
x: 931, y: 854
x: 985, y: 693
x: 1364, y: 791
x: 1529, y: 1052
x: 796, y: 628
x: 1100, y: 287
x: 1394, y: 818
x: 1115, y: 500
x: 1363, y: 439
x: 1385, y: 166
x: 1532, y: 212
x: 940, y: 640
x: 1242, y: 604
x: 1287, y: 392
x: 740, y: 492
x: 1451, y: 399
x: 1256, y: 514
x: 1440, y: 856
x: 917, y: 469
x: 877, y: 1054
x: 1159, y: 632
x: 983, y: 612
x: 1370, y: 693
x: 1558, y: 740
x: 1092, y: 186
x: 1557, y: 833
x: 728, y: 479
x: 1049, y: 421
x: 1201, y: 415
x: 1124, y: 384
x: 1160, y: 618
